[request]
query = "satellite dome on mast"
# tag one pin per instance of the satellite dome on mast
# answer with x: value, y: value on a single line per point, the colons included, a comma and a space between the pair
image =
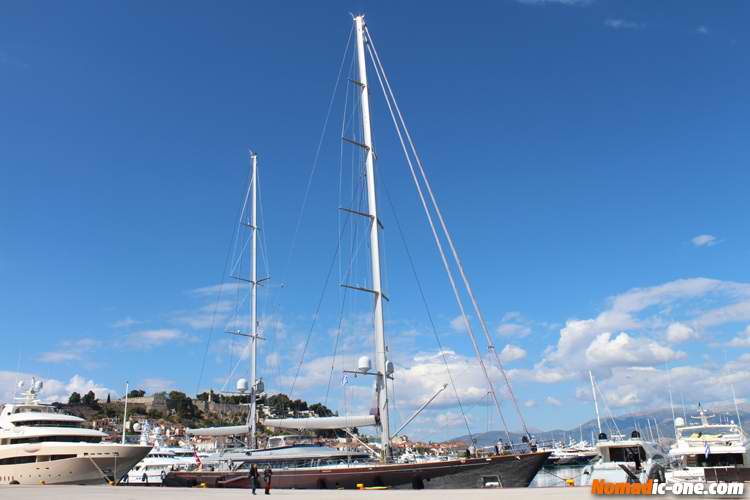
x: 242, y: 385
x: 364, y: 364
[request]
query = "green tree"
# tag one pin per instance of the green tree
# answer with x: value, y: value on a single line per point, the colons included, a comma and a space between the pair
x: 74, y: 399
x: 136, y: 393
x: 183, y: 405
x: 89, y: 399
x: 321, y: 410
x: 109, y: 399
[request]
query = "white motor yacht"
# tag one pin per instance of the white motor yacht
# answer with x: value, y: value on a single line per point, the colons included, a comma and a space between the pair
x: 703, y: 448
x: 161, y: 460
x: 39, y: 444
x: 632, y: 460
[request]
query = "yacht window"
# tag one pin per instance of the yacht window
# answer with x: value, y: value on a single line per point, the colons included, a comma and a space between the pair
x: 627, y: 454
x: 17, y: 460
x: 719, y: 460
x: 57, y: 439
x: 46, y: 423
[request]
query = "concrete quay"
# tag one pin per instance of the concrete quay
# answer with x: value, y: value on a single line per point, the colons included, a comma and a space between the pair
x: 51, y: 492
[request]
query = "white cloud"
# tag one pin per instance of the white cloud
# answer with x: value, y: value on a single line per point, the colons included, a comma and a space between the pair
x: 514, y: 324
x: 449, y: 419
x: 702, y: 30
x: 54, y: 390
x: 512, y: 353
x: 644, y: 310
x: 72, y: 350
x: 458, y: 324
x: 679, y: 332
x: 623, y: 24
x: 147, y: 339
x: 624, y: 350
x: 742, y: 339
x: 552, y: 401
x: 513, y: 330
x: 58, y: 357
x: 126, y: 323
x: 221, y: 288
x: 645, y: 388
x: 704, y: 240
x: 152, y: 385
x: 529, y: 403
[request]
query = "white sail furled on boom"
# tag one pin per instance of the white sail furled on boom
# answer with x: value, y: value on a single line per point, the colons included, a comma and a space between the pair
x: 230, y: 430
x: 321, y: 422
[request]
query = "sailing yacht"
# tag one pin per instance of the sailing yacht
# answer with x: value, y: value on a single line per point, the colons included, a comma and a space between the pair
x: 709, y: 451
x: 302, y: 466
x: 38, y: 444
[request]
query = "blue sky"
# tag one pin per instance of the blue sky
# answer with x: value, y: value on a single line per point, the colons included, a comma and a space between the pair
x: 578, y: 149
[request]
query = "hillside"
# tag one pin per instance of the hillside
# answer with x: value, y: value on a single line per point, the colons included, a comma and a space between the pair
x: 626, y: 423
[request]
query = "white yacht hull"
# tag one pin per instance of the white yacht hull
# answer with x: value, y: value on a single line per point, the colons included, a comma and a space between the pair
x: 87, y: 464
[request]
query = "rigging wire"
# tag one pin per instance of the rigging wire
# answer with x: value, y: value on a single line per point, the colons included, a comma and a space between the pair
x: 488, y: 337
x: 428, y: 312
x: 316, y: 315
x: 305, y: 197
x: 446, y: 265
x: 219, y: 295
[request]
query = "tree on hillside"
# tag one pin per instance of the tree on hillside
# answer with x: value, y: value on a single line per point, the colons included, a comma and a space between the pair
x: 321, y: 410
x: 183, y: 405
x: 74, y: 399
x: 136, y: 393
x: 109, y: 399
x: 89, y: 399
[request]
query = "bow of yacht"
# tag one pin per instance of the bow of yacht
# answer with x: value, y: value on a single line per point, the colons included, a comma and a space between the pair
x: 39, y: 444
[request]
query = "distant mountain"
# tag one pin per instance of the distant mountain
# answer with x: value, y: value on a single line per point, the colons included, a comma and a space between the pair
x: 625, y: 424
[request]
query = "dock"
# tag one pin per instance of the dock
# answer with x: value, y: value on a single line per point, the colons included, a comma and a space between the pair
x: 50, y: 492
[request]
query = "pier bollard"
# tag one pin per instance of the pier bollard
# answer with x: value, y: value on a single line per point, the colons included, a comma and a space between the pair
x: 570, y: 482
x: 360, y: 486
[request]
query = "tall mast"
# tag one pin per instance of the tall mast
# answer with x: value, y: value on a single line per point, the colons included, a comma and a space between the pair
x: 380, y: 349
x: 253, y: 298
x: 596, y: 402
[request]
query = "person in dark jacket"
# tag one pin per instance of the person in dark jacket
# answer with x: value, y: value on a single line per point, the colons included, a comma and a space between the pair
x: 254, y: 476
x: 267, y: 477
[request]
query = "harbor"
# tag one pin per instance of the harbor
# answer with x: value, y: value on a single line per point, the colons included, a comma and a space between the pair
x: 408, y: 282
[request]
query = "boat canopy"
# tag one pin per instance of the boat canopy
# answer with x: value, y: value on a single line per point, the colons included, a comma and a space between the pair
x: 321, y: 422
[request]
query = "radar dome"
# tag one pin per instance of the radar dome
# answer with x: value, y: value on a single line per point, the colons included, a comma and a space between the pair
x: 679, y: 422
x: 242, y: 385
x: 136, y: 427
x: 364, y: 364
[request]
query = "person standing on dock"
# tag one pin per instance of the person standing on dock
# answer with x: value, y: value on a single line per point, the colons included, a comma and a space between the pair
x: 254, y: 477
x: 267, y: 477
